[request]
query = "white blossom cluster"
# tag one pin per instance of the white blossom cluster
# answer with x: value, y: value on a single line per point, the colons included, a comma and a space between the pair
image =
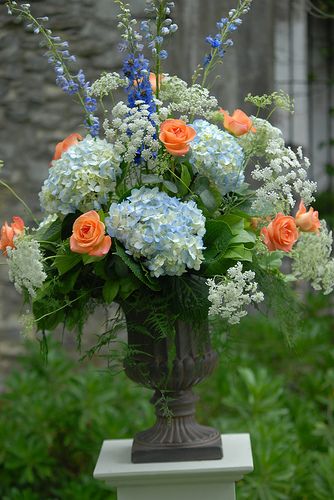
x: 165, y: 233
x: 106, y: 84
x: 82, y: 179
x: 283, y: 178
x: 133, y: 132
x: 26, y: 265
x: 231, y: 294
x: 312, y: 259
x: 189, y: 101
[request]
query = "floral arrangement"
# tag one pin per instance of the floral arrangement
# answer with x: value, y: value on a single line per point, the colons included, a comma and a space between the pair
x: 151, y: 207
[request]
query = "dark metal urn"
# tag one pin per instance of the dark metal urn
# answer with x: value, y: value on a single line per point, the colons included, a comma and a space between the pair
x: 171, y: 368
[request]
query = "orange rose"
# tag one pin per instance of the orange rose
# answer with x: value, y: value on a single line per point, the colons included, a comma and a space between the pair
x: 8, y: 233
x: 307, y: 221
x: 63, y: 146
x: 89, y: 235
x: 281, y: 233
x: 238, y: 124
x: 175, y: 135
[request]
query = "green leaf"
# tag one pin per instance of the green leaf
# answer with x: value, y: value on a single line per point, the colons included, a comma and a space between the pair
x: 127, y: 286
x: 51, y: 232
x: 170, y: 186
x: 67, y: 224
x: 151, y: 179
x: 244, y: 237
x: 239, y: 253
x: 217, y: 239
x: 88, y: 259
x: 66, y: 260
x: 67, y: 283
x: 110, y: 291
x: 189, y: 294
x: 185, y: 181
x: 136, y: 268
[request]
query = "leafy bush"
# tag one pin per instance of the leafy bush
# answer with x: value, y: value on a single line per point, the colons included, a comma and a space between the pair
x: 54, y: 417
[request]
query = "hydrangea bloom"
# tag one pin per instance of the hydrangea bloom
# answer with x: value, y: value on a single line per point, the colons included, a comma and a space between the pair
x: 229, y: 295
x: 82, y: 179
x: 25, y: 265
x: 217, y: 155
x: 164, y: 232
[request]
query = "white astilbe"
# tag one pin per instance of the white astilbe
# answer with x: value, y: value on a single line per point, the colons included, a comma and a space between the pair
x: 106, y: 84
x: 231, y: 294
x: 133, y: 130
x: 283, y: 174
x: 312, y: 259
x: 25, y: 263
x: 188, y: 101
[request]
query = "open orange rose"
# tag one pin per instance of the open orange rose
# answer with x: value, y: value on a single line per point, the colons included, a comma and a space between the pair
x: 307, y: 221
x: 281, y: 233
x: 175, y: 135
x: 238, y: 124
x: 89, y: 235
x: 9, y: 232
x: 64, y: 145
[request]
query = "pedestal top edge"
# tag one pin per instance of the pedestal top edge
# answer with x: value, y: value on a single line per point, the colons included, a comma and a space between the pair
x: 114, y: 463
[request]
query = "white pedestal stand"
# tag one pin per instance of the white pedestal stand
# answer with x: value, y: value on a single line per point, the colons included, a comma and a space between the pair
x: 202, y: 480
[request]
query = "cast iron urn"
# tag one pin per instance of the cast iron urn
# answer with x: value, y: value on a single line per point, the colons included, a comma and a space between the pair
x: 171, y: 371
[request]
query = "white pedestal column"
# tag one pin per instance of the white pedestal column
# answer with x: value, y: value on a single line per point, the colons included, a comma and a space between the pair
x: 202, y: 480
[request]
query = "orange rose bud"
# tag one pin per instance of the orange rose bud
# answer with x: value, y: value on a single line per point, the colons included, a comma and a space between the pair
x: 153, y: 80
x: 89, y: 235
x: 307, y: 221
x: 281, y: 233
x: 63, y: 146
x: 9, y: 232
x: 238, y: 124
x: 175, y: 135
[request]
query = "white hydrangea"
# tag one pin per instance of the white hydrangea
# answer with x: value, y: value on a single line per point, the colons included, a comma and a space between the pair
x: 106, y: 84
x: 133, y: 131
x: 312, y: 259
x: 189, y: 101
x: 165, y: 233
x: 283, y: 176
x: 217, y: 155
x: 25, y: 263
x: 84, y: 178
x: 231, y: 294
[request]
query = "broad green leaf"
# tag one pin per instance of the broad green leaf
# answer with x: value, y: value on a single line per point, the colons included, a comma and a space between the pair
x: 88, y: 259
x: 127, y: 286
x: 244, y: 237
x: 239, y: 253
x: 170, y: 186
x: 151, y: 179
x: 110, y: 291
x: 67, y: 283
x: 51, y: 232
x: 65, y: 262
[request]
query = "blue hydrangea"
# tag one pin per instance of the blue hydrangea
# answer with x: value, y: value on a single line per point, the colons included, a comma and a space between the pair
x: 82, y: 179
x: 165, y: 233
x: 218, y: 156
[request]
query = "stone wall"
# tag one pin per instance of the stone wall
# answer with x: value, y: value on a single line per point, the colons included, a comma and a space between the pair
x: 35, y: 114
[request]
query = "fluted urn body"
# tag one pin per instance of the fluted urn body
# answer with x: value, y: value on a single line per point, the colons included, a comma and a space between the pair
x: 171, y: 367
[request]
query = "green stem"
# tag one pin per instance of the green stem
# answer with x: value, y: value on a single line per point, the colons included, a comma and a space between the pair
x: 5, y: 185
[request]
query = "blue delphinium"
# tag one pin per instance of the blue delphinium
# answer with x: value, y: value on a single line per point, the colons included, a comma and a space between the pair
x: 218, y: 156
x: 82, y: 179
x: 59, y: 56
x: 137, y: 71
x: 164, y: 233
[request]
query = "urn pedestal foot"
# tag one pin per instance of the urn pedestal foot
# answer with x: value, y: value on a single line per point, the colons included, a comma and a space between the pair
x: 177, y: 437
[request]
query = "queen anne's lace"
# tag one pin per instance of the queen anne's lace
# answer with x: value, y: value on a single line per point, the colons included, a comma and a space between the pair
x: 82, y: 179
x: 164, y: 232
x: 283, y: 174
x: 218, y: 156
x: 26, y: 265
x: 188, y: 102
x: 231, y: 294
x: 312, y: 259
